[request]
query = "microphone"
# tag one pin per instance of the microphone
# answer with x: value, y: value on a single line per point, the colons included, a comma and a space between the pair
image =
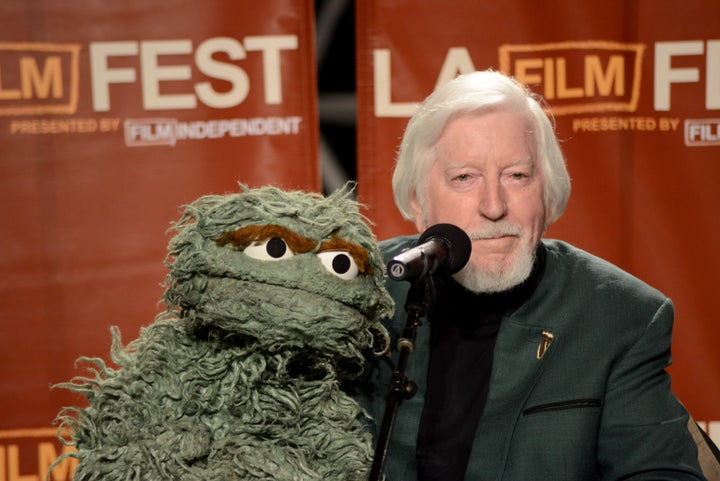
x: 442, y: 245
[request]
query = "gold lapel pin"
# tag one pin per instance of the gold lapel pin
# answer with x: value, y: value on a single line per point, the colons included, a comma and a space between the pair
x: 547, y: 339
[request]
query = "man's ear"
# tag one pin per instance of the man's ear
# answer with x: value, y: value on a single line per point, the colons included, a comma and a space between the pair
x: 417, y: 212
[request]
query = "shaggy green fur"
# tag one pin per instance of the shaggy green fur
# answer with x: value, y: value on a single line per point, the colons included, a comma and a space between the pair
x: 240, y: 379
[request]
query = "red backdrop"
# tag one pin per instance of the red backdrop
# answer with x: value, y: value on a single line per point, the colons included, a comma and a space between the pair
x: 635, y: 90
x: 111, y: 117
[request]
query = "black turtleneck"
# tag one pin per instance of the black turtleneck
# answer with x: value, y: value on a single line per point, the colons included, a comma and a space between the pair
x: 463, y: 330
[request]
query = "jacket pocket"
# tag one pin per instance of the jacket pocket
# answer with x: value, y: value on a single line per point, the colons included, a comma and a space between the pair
x: 559, y: 406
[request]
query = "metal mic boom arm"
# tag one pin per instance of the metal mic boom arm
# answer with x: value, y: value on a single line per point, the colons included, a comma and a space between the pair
x: 400, y: 388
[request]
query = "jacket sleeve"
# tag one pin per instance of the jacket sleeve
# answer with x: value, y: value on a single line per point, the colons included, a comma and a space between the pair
x: 643, y: 433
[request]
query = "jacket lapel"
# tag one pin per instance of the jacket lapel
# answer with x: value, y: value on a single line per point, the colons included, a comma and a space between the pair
x: 521, y: 353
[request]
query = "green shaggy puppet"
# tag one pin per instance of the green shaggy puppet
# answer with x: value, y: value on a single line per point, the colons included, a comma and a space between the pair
x: 272, y: 298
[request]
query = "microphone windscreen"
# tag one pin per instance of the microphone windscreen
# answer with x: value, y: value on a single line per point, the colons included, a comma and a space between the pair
x: 457, y: 241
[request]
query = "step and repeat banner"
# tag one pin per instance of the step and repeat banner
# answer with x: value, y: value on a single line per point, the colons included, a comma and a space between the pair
x: 634, y: 86
x: 112, y: 115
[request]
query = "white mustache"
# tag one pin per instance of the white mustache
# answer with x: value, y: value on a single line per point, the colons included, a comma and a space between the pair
x: 495, y: 230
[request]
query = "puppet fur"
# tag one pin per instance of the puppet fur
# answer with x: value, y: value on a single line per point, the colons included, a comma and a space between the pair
x: 241, y: 378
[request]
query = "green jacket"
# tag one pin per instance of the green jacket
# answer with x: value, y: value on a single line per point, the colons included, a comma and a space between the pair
x: 597, y: 405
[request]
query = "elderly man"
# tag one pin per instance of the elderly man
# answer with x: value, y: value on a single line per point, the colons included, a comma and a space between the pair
x: 537, y: 361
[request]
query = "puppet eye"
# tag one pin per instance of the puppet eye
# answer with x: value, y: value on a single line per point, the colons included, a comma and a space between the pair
x: 340, y: 263
x: 273, y: 249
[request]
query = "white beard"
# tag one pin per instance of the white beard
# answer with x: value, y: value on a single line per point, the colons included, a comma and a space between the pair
x: 498, y: 278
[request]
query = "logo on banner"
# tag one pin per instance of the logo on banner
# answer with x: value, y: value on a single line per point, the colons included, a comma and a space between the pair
x: 41, y: 79
x: 579, y: 77
x: 28, y: 454
x: 598, y: 83
x: 46, y: 78
x: 597, y: 77
x: 702, y: 132
x: 146, y: 132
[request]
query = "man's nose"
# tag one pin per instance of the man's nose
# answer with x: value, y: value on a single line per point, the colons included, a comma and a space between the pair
x: 492, y: 203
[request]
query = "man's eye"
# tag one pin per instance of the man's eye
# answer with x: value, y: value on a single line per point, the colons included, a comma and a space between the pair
x: 340, y: 263
x: 273, y: 249
x: 518, y: 176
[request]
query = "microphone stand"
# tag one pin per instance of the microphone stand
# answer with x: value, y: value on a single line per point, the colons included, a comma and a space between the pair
x: 400, y: 388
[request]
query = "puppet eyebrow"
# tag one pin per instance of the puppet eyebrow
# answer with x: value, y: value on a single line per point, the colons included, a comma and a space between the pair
x: 244, y: 236
x: 357, y: 251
